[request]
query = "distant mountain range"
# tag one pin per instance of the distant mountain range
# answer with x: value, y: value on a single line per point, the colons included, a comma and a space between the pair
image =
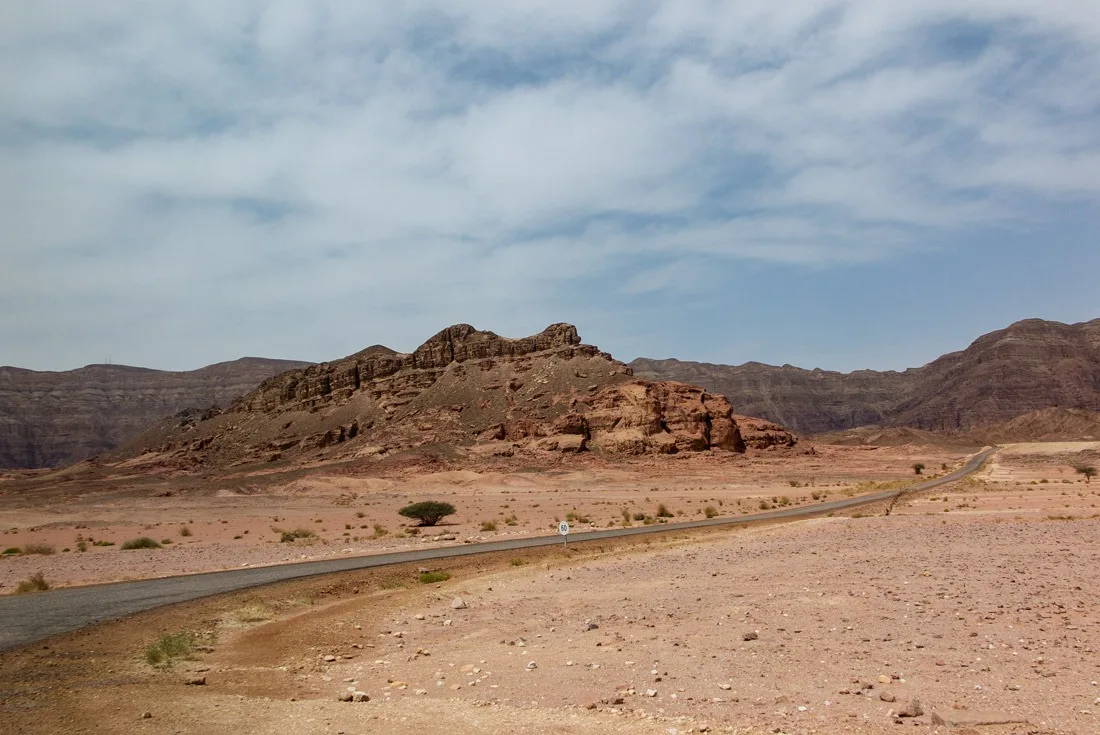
x: 1030, y: 365
x: 48, y: 419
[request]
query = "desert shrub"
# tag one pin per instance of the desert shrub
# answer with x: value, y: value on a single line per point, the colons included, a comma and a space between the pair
x: 38, y: 549
x: 663, y: 511
x: 710, y: 511
x: 428, y: 512
x: 34, y: 583
x: 81, y: 546
x: 918, y: 467
x: 433, y: 577
x: 764, y: 505
x: 517, y: 562
x: 379, y: 530
x: 784, y: 501
x: 1087, y: 470
x: 169, y: 647
x: 638, y: 515
x: 103, y: 543
x: 414, y: 531
x: 185, y: 531
x: 166, y: 541
x: 140, y: 543
x: 255, y: 612
x: 794, y: 483
x: 11, y: 551
x: 287, y: 537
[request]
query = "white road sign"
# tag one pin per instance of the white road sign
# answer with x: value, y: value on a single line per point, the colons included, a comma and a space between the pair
x: 563, y: 528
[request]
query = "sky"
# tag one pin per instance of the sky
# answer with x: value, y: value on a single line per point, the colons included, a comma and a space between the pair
x: 838, y: 184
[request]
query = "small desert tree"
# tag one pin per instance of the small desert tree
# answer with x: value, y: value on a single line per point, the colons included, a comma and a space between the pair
x: 1087, y: 470
x: 428, y: 512
x: 918, y: 468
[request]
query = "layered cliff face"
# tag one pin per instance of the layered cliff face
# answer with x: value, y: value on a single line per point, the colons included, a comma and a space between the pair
x: 465, y: 388
x: 1030, y: 365
x: 55, y: 418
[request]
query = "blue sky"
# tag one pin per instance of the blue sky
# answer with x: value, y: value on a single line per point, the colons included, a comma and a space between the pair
x: 828, y: 184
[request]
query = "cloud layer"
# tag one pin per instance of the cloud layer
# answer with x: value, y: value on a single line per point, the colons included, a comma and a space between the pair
x: 186, y: 181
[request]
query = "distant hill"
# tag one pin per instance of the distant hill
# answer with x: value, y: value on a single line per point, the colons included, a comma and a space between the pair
x: 464, y: 391
x: 50, y: 419
x: 1028, y: 366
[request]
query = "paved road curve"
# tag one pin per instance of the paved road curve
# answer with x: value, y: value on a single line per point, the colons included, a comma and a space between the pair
x: 29, y: 618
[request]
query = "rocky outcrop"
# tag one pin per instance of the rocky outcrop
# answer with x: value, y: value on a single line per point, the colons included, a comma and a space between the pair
x: 1030, y: 365
x: 56, y: 418
x: 462, y: 388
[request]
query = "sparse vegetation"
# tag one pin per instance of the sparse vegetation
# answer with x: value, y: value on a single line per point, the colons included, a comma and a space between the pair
x: 34, y: 583
x: 517, y: 562
x: 255, y: 612
x: 185, y: 531
x: 710, y: 511
x: 170, y: 647
x: 918, y: 468
x: 12, y: 551
x: 487, y: 526
x: 433, y: 577
x: 663, y: 511
x: 289, y: 537
x: 44, y: 549
x: 140, y: 543
x: 379, y: 530
x: 428, y: 512
x: 1087, y: 470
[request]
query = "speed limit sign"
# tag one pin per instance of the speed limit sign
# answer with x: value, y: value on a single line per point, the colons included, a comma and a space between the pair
x: 563, y: 529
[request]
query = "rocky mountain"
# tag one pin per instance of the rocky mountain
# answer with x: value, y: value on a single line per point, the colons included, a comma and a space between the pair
x: 55, y: 418
x: 466, y: 390
x: 1030, y: 365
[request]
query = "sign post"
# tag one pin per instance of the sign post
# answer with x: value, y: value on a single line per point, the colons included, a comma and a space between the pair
x: 563, y: 529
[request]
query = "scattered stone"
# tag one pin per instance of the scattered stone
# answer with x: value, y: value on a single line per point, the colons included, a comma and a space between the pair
x: 458, y: 604
x: 196, y: 681
x: 887, y: 697
x: 590, y: 705
x: 146, y: 715
x: 912, y: 708
x: 589, y: 625
x: 884, y: 679
x: 726, y: 687
x: 651, y: 692
x: 358, y: 696
x: 344, y: 697
x: 329, y: 659
x: 750, y: 636
x: 531, y: 665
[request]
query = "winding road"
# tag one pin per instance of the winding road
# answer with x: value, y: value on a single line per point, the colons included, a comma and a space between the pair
x: 29, y: 618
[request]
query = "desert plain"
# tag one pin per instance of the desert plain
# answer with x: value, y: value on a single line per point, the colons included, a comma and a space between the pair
x: 970, y: 608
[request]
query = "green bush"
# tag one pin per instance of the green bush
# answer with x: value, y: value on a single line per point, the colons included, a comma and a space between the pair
x: 140, y: 543
x: 11, y: 551
x: 428, y: 512
x: 169, y: 647
x: 433, y: 577
x: 35, y: 583
x: 290, y: 536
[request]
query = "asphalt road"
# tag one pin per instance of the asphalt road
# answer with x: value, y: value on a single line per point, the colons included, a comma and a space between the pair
x: 28, y: 618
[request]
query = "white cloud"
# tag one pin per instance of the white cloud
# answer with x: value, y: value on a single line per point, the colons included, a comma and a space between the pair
x: 490, y: 158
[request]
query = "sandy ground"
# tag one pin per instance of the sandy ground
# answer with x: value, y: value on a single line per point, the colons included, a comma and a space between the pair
x: 238, y: 521
x: 985, y: 613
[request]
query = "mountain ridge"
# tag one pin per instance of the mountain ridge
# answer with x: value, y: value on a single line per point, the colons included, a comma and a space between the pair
x: 1029, y: 365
